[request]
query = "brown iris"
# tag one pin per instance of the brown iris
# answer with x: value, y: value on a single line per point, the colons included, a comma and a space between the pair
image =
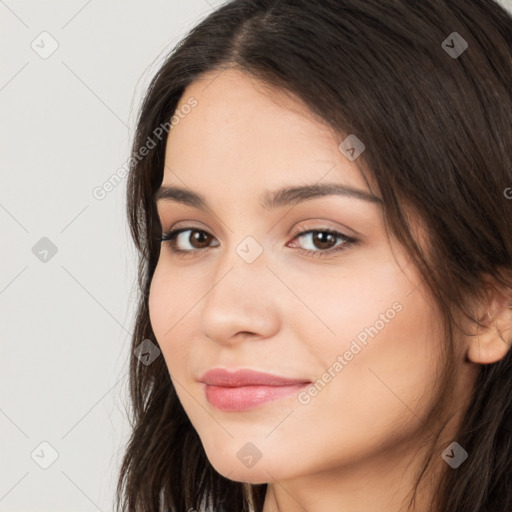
x: 323, y: 239
x: 202, y: 238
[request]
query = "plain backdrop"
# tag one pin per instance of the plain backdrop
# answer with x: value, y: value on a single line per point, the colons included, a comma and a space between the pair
x: 72, y: 74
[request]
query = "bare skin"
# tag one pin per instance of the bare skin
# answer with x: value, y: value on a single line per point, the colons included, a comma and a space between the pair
x: 355, y: 445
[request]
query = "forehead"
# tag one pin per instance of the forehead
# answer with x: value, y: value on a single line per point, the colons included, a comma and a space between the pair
x: 244, y: 131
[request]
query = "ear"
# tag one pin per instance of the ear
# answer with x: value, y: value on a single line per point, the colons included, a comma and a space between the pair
x: 493, y: 339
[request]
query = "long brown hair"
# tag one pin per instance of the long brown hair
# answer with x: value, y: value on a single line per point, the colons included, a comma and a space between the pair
x: 436, y: 120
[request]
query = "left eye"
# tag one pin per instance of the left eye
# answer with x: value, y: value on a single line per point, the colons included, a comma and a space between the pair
x: 321, y: 241
x: 327, y: 240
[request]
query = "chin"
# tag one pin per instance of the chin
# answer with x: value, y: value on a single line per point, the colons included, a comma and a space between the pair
x: 231, y: 467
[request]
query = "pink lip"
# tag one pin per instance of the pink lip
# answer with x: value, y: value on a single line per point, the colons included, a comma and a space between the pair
x: 246, y: 389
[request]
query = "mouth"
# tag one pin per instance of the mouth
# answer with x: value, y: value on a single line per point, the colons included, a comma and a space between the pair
x: 246, y: 389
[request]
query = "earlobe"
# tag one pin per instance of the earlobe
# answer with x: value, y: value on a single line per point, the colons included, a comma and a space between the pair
x: 493, y: 339
x: 488, y: 346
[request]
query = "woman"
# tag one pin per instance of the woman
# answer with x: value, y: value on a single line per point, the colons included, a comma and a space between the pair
x: 320, y: 195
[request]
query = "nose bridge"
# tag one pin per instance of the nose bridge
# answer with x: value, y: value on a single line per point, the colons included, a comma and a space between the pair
x: 243, y: 263
x: 240, y: 298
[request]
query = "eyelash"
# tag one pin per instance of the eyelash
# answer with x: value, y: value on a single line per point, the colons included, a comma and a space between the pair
x: 170, y: 237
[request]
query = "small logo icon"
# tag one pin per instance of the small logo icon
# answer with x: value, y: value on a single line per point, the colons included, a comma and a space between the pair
x: 44, y: 455
x: 249, y: 455
x: 147, y: 352
x: 352, y: 147
x: 454, y: 455
x: 249, y: 249
x: 44, y: 45
x: 44, y: 250
x: 454, y: 45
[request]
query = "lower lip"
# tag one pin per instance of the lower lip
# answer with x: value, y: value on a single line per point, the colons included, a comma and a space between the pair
x: 247, y: 397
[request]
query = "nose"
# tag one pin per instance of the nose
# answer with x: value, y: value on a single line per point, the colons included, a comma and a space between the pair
x: 241, y: 302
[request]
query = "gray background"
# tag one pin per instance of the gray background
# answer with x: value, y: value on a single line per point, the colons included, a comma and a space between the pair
x: 66, y: 126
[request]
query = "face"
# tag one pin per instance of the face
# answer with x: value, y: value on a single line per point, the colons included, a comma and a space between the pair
x: 312, y: 291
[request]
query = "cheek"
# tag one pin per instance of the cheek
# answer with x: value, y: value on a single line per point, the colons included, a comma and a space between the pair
x: 381, y: 303
x: 380, y: 363
x: 386, y: 379
x: 167, y: 313
x: 171, y: 297
x: 353, y: 307
x: 159, y: 304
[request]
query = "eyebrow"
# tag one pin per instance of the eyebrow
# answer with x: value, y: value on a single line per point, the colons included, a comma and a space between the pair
x: 270, y: 200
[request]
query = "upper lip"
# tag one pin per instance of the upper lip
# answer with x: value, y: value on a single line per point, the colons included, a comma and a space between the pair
x: 246, y: 377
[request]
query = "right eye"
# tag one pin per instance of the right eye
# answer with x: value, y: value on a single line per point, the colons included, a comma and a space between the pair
x: 196, y: 240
